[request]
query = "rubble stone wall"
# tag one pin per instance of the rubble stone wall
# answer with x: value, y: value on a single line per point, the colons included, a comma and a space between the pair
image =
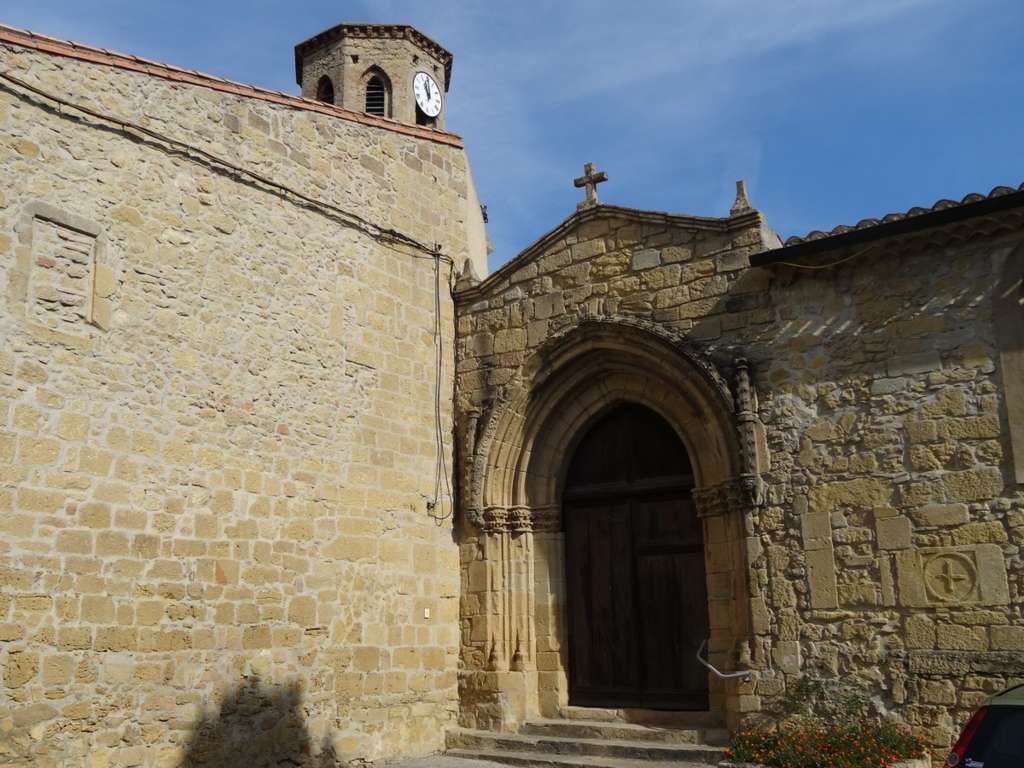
x: 217, y: 430
x: 885, y: 547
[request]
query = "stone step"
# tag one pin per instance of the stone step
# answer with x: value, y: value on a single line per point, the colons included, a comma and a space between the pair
x: 606, y: 729
x: 510, y: 743
x: 542, y: 760
x: 649, y: 717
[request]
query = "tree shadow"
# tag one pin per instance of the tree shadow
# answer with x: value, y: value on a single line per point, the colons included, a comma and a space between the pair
x: 256, y: 726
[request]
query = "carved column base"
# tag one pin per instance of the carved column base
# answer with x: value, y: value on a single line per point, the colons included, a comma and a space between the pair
x: 493, y: 701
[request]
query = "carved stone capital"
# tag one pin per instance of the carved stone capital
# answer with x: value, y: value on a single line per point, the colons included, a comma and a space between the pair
x: 721, y: 499
x: 517, y: 519
x: 753, y: 490
x: 494, y: 520
x: 547, y: 519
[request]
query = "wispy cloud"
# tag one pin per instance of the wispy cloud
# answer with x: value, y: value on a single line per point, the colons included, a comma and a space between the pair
x: 658, y: 92
x: 831, y: 109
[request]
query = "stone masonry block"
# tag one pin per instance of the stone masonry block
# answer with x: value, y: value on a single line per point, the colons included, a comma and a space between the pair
x: 646, y: 259
x: 786, y: 654
x: 816, y: 529
x: 894, y: 532
x: 1007, y: 638
x: 973, y: 484
x: 864, y: 493
x: 20, y: 669
x: 922, y: 362
x: 919, y: 632
x: 548, y: 305
x: 941, y: 515
x: 821, y: 578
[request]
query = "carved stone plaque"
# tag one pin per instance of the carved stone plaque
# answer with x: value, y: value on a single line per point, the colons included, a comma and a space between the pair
x: 952, y: 576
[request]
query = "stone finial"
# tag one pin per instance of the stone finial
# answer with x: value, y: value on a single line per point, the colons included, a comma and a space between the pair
x: 742, y: 202
x: 467, y: 277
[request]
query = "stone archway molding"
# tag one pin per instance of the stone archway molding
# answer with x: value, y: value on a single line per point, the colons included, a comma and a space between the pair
x: 517, y: 452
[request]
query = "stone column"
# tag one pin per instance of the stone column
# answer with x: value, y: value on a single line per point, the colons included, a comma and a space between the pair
x: 503, y: 688
x: 724, y: 510
x: 549, y: 617
x: 508, y: 546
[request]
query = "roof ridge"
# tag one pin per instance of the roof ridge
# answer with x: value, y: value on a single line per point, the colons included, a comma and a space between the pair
x: 59, y: 47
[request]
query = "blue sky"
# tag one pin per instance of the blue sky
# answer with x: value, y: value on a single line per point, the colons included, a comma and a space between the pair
x: 832, y: 110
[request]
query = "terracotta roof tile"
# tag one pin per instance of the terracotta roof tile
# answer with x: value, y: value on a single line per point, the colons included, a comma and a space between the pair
x: 941, y: 205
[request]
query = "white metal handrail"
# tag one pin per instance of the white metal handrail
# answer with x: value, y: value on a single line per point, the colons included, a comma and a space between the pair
x: 747, y: 675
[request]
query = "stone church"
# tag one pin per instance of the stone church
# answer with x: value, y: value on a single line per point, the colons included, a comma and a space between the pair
x: 286, y: 478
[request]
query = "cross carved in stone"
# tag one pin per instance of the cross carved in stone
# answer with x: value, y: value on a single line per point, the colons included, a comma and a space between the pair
x: 951, y: 577
x: 590, y: 179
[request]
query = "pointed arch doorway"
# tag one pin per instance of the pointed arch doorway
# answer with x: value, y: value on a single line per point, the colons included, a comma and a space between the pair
x: 518, y: 647
x: 634, y: 548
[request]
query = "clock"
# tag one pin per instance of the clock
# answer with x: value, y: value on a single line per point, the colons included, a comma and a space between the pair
x: 428, y: 95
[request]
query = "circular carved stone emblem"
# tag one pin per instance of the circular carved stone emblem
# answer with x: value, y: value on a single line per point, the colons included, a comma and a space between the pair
x: 950, y: 577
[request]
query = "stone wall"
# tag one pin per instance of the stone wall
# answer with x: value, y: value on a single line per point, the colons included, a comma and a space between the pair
x: 880, y: 540
x: 217, y: 430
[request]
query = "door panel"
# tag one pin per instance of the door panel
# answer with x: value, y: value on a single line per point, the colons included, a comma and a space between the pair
x: 604, y: 658
x: 635, y: 568
x: 673, y: 620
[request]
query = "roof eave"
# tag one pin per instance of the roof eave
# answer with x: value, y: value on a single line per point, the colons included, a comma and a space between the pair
x: 911, y: 224
x: 104, y: 57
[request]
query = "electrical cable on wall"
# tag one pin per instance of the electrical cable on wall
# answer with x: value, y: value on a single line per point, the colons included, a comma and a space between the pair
x: 337, y: 213
x: 435, y: 506
x: 818, y: 267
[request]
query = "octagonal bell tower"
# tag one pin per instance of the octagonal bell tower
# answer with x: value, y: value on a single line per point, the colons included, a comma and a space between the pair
x: 388, y: 70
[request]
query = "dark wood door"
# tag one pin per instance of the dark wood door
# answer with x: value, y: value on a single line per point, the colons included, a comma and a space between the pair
x: 635, y: 567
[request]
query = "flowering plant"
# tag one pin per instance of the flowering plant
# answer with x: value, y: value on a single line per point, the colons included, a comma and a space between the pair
x: 827, y: 725
x: 814, y: 744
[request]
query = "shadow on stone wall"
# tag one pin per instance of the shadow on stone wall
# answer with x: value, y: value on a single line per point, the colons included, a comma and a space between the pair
x: 257, y: 726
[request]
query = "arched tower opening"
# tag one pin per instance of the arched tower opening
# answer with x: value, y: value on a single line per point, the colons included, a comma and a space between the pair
x: 377, y: 90
x: 325, y: 90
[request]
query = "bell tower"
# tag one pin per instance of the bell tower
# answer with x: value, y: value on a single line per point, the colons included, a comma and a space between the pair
x: 389, y: 70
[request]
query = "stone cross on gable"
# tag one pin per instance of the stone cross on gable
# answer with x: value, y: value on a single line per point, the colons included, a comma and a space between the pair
x: 590, y: 179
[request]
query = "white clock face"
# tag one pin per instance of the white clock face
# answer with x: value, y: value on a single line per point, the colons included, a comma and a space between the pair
x: 428, y: 95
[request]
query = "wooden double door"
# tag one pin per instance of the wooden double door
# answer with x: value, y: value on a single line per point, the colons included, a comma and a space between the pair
x: 637, y: 599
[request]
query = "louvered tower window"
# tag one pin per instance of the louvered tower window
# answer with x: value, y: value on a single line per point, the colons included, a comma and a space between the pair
x: 376, y: 96
x: 325, y: 90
